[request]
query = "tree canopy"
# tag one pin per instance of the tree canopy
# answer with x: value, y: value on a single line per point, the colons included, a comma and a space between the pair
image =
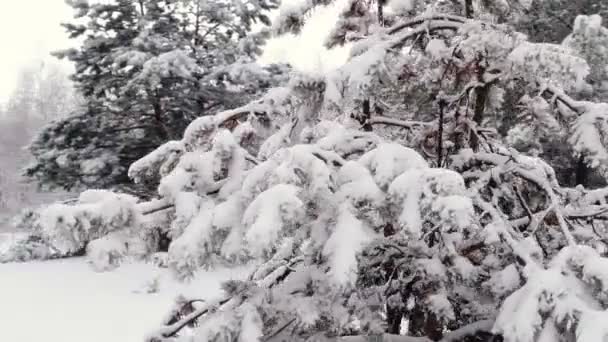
x: 146, y: 69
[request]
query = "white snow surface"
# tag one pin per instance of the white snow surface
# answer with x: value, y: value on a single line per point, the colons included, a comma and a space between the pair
x: 65, y: 301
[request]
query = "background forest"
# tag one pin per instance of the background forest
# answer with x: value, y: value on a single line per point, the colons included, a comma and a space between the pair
x: 43, y: 93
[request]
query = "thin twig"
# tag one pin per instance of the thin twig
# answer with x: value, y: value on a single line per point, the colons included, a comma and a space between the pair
x: 383, y: 120
x: 523, y: 203
x: 153, y: 210
x: 278, y: 331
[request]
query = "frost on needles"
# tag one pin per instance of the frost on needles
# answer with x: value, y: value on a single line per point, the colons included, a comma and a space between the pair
x: 393, y: 196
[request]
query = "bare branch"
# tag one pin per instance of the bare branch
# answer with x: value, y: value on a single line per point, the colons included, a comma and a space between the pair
x: 383, y: 120
x: 154, y: 210
x: 278, y: 331
x: 225, y: 302
x: 523, y: 203
x: 429, y: 27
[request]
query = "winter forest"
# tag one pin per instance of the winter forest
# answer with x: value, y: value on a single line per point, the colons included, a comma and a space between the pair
x: 446, y: 181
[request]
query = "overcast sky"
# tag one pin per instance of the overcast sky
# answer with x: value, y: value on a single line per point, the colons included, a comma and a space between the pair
x: 29, y: 31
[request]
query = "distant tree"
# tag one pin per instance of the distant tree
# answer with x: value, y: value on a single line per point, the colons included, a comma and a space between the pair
x: 43, y: 92
x: 551, y: 21
x: 56, y: 96
x: 21, y: 108
x: 146, y: 69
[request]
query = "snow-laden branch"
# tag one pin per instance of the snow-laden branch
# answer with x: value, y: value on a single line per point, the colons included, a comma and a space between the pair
x: 225, y: 302
x: 428, y: 26
x: 469, y: 330
x: 484, y: 326
x: 561, y: 97
x: 382, y: 338
x: 509, y: 164
x: 505, y: 231
x: 597, y: 213
x: 423, y: 19
x: 147, y: 208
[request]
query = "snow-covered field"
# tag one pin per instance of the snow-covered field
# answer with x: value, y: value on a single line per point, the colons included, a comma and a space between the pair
x: 65, y: 301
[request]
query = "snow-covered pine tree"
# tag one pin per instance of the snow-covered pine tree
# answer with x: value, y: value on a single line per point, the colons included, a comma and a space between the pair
x: 406, y: 86
x: 146, y: 69
x: 589, y: 39
x: 552, y: 21
x: 368, y: 214
x: 392, y: 241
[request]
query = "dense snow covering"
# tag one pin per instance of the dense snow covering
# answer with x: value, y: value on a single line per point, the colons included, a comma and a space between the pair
x: 346, y: 225
x: 65, y: 301
x: 402, y: 6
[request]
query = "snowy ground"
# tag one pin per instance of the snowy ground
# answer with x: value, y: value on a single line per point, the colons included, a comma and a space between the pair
x: 65, y: 301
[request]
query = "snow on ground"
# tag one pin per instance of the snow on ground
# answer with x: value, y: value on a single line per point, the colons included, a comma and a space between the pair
x: 66, y: 301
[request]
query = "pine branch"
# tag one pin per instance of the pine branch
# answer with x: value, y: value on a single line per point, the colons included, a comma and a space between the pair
x: 564, y: 99
x: 505, y: 233
x: 157, y: 209
x: 173, y: 329
x: 381, y: 338
x: 269, y: 337
x: 430, y: 26
x: 224, y: 302
x: 597, y: 214
x: 473, y: 329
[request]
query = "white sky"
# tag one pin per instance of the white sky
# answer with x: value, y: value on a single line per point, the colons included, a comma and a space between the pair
x: 306, y: 52
x: 29, y: 31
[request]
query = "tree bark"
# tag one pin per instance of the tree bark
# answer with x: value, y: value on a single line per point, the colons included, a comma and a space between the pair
x: 481, y: 96
x: 161, y: 130
x: 468, y: 8
x: 582, y: 172
x: 197, y: 25
x: 381, y: 12
x: 367, y: 114
x: 393, y: 320
x: 141, y: 8
x: 440, y: 133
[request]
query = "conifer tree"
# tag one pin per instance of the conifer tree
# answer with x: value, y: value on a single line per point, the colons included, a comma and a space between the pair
x: 146, y: 69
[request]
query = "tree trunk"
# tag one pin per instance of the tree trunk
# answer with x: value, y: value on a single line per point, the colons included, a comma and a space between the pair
x: 161, y: 130
x: 468, y: 8
x: 481, y: 96
x: 582, y: 172
x: 393, y: 320
x: 197, y: 25
x: 440, y: 133
x: 141, y: 8
x: 367, y: 115
x: 424, y: 323
x: 381, y: 12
